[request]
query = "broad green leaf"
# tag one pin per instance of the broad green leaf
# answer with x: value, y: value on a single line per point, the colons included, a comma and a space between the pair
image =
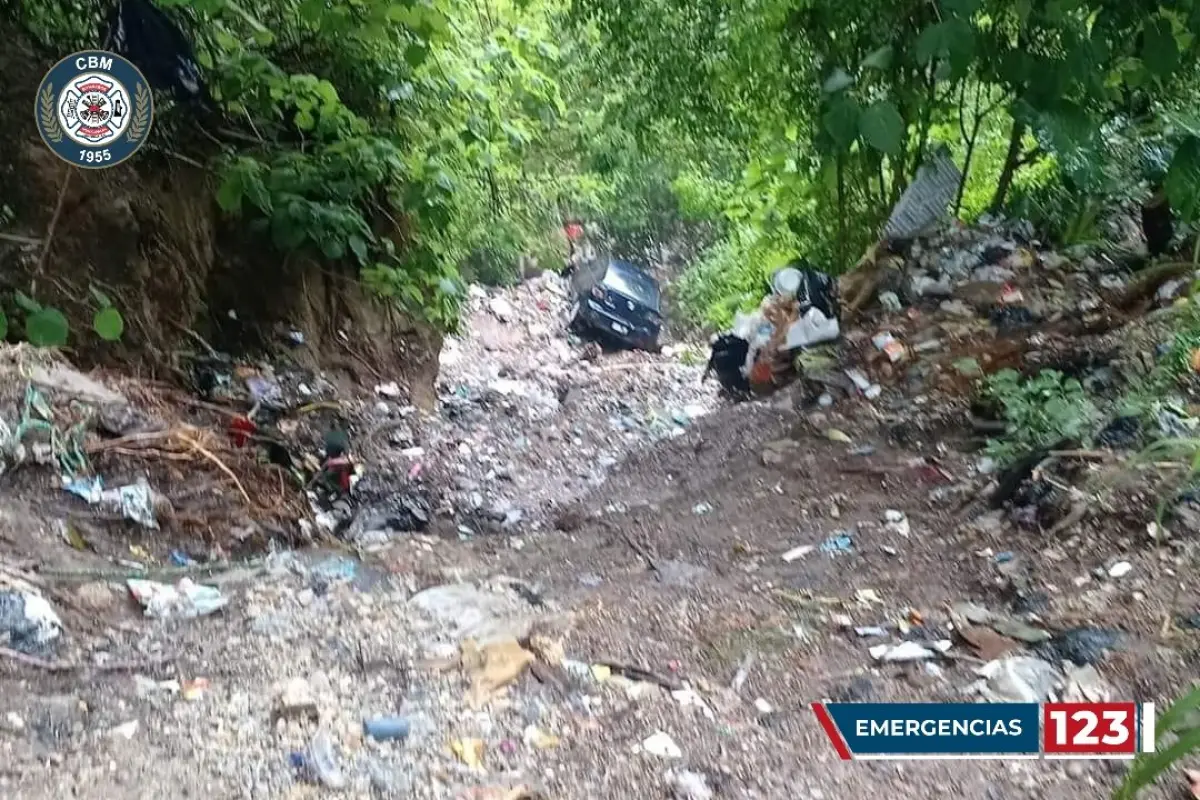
x: 47, y: 328
x: 305, y: 120
x: 108, y: 324
x: 841, y: 121
x: 838, y: 80
x: 3, y: 326
x: 882, y: 127
x: 333, y: 248
x: 311, y: 11
x: 880, y: 59
x: 1160, y: 51
x: 229, y: 195
x: 359, y: 247
x: 952, y: 39
x: 414, y: 55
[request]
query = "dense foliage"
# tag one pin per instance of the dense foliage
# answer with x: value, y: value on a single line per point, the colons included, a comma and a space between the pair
x: 418, y: 141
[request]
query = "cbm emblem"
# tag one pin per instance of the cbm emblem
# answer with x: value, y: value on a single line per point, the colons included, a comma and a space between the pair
x: 94, y: 109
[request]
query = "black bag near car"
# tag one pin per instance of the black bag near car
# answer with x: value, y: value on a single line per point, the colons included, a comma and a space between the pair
x: 726, y: 361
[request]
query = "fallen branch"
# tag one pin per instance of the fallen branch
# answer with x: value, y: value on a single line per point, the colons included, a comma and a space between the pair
x: 219, y: 463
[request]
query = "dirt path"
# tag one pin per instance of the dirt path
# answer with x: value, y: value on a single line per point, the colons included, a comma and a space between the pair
x: 667, y: 556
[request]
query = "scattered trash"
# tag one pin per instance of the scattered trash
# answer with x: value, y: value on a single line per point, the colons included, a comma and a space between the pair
x: 323, y: 761
x: 797, y: 553
x: 492, y: 668
x: 1017, y: 679
x: 763, y: 707
x: 897, y: 522
x: 28, y: 623
x: 1085, y: 685
x: 194, y: 689
x: 687, y: 785
x: 468, y: 751
x: 1080, y: 646
x: 834, y: 435
x: 905, y: 651
x: 294, y: 699
x: 184, y: 600
x: 870, y: 631
x: 538, y: 739
x: 662, y: 745
x: 1120, y: 569
x: 839, y: 543
x: 390, y: 390
x: 386, y: 729
x: 135, y: 501
x: 889, y: 345
x: 700, y: 509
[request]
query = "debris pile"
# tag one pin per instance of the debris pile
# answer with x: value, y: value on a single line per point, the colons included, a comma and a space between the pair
x: 533, y: 416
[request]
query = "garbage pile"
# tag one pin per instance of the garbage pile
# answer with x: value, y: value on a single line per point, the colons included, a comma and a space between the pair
x: 530, y: 410
x: 758, y: 354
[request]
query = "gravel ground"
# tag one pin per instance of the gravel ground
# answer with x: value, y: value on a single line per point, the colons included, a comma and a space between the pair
x: 669, y: 560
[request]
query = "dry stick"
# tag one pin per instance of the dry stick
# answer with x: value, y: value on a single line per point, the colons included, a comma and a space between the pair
x: 58, y: 206
x: 220, y: 465
x: 12, y: 237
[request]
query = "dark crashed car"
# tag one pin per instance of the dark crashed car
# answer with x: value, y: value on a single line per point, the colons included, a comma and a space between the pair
x: 618, y: 300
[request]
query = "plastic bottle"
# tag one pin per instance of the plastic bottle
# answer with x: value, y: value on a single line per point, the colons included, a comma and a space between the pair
x: 385, y: 729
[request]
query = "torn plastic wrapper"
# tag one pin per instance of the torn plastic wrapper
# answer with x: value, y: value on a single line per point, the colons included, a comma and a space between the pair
x: 133, y: 501
x: 811, y: 329
x: 184, y: 600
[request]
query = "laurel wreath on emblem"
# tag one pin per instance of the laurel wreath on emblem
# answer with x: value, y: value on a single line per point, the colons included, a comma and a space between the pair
x: 50, y: 126
x: 141, y: 120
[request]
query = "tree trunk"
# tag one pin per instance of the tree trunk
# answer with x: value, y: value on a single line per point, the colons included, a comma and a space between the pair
x: 1012, y: 161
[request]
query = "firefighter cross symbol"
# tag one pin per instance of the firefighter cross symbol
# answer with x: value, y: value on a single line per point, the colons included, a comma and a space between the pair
x: 94, y: 109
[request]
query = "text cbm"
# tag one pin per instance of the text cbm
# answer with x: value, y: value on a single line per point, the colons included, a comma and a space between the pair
x: 93, y: 62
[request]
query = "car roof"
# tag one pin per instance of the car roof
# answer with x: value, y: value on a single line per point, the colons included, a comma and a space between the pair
x: 625, y: 266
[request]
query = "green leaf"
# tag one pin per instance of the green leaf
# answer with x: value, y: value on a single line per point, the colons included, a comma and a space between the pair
x: 108, y: 324
x: 359, y: 246
x: 952, y: 39
x: 1160, y: 51
x: 841, y: 121
x: 838, y: 80
x: 229, y: 195
x: 26, y: 303
x: 1182, y: 184
x: 47, y: 328
x: 961, y: 8
x: 882, y: 127
x: 100, y: 297
x: 3, y: 326
x: 414, y: 55
x: 311, y: 11
x: 305, y: 120
x: 880, y: 59
x: 333, y: 248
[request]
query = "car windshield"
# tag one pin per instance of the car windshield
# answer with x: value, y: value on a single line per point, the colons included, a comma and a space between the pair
x: 633, y: 284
